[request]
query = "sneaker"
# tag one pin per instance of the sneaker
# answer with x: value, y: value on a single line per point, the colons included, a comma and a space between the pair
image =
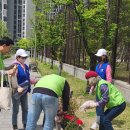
x: 15, y: 127
x: 94, y: 126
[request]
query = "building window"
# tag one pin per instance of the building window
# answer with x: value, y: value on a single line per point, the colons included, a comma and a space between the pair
x: 15, y: 17
x: 19, y: 16
x: 15, y: 1
x: 5, y: 6
x: 15, y: 7
x: 5, y: 12
x: 14, y: 31
x: 19, y: 35
x: 5, y: 18
x: 14, y: 26
x: 20, y: 1
x: 15, y: 22
x: 24, y: 2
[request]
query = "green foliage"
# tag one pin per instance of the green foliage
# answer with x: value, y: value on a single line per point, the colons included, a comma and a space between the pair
x: 62, y: 2
x: 48, y: 31
x: 6, y: 56
x: 23, y: 43
x: 89, y: 23
x: 3, y: 29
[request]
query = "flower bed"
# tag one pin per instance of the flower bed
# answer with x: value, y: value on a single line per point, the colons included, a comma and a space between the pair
x: 71, y: 122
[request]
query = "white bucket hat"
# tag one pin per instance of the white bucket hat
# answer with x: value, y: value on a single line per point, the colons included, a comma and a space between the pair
x: 21, y: 52
x: 101, y: 52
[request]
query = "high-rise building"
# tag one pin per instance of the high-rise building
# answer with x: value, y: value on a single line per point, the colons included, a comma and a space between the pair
x: 19, y: 14
x: 3, y: 10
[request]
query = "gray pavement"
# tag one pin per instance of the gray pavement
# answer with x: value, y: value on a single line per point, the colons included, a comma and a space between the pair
x: 5, y: 116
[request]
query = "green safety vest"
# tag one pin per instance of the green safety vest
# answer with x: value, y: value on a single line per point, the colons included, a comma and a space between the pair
x: 115, y: 96
x: 53, y: 82
x: 1, y: 62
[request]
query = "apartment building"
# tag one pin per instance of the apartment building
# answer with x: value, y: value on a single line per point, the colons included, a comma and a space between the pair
x: 19, y: 15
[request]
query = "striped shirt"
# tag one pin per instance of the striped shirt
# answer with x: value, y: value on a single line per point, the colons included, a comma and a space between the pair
x: 105, y: 95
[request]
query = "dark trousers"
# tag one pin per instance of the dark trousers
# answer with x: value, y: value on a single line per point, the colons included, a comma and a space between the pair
x: 107, y: 116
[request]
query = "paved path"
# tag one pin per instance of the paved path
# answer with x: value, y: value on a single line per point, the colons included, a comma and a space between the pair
x: 5, y: 116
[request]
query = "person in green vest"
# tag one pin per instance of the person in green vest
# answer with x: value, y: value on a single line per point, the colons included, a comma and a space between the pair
x: 107, y: 95
x: 45, y: 98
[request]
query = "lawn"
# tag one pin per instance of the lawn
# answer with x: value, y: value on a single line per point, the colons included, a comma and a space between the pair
x: 78, y: 86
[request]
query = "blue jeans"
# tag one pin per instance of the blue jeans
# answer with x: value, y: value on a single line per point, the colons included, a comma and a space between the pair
x: 23, y: 100
x: 107, y: 116
x: 42, y: 102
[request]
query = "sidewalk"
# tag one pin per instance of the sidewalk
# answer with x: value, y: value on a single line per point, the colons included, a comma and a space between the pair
x: 5, y: 116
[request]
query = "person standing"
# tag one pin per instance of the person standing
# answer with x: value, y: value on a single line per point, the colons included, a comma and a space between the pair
x: 107, y: 95
x: 5, y: 46
x: 22, y: 76
x: 103, y: 67
x: 45, y: 97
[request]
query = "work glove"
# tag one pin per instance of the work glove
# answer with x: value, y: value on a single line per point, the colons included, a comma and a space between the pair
x: 88, y: 105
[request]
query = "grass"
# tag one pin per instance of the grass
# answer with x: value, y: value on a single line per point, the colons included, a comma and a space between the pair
x: 122, y: 73
x: 122, y: 122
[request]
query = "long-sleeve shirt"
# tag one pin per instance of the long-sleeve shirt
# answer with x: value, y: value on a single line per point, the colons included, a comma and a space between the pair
x: 108, y: 73
x: 66, y: 96
x: 1, y: 62
x: 105, y: 95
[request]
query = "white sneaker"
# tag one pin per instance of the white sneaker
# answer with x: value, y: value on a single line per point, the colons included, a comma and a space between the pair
x: 94, y: 126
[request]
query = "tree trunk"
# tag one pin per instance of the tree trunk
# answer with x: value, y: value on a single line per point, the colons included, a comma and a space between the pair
x: 114, y: 47
x: 128, y: 59
x: 106, y: 25
x: 42, y: 55
x: 52, y: 57
x: 60, y: 67
x: 45, y: 54
x: 85, y: 43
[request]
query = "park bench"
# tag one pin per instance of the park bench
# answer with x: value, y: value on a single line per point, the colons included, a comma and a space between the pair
x: 33, y: 66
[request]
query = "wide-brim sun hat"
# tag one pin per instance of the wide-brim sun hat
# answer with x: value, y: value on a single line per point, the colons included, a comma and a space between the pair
x: 21, y: 52
x: 101, y: 52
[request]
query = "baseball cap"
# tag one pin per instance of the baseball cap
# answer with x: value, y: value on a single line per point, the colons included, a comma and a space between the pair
x: 101, y: 52
x: 21, y: 52
x: 90, y: 74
